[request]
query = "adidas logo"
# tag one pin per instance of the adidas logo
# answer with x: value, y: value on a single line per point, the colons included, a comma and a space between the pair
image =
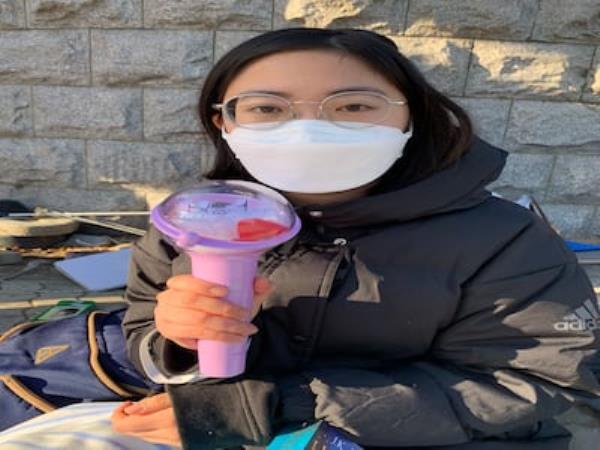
x: 586, y: 317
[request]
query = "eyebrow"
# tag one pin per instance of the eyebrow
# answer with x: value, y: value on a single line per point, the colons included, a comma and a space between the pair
x: 337, y: 91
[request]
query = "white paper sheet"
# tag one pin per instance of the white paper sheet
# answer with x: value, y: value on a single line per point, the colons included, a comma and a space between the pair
x: 98, y: 272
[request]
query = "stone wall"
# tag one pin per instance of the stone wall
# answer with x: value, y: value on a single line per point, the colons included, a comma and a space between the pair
x: 97, y: 96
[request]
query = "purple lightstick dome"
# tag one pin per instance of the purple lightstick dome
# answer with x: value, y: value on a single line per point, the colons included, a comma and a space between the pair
x: 226, y: 215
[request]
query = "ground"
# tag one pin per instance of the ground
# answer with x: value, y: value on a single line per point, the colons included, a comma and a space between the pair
x: 23, y: 294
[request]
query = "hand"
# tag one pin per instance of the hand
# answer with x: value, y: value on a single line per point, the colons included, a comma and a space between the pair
x: 151, y: 419
x: 191, y: 309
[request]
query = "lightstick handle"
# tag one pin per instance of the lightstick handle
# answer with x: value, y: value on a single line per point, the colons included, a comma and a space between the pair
x: 237, y: 272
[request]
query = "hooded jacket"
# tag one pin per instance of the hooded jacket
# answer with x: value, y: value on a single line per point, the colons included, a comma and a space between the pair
x: 435, y: 314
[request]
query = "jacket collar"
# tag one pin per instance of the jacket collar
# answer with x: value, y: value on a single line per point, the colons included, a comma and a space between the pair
x: 459, y: 186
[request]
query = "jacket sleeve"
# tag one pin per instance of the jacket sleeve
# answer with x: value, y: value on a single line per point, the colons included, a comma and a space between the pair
x: 518, y: 351
x: 149, y: 270
x: 244, y: 411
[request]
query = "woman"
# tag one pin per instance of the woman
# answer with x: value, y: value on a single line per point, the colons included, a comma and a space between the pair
x: 415, y: 309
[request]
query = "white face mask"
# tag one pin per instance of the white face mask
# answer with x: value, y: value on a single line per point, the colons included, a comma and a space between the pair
x: 315, y: 156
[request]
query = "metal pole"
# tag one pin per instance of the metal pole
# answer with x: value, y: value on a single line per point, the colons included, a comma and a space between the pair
x: 41, y: 212
x: 81, y: 214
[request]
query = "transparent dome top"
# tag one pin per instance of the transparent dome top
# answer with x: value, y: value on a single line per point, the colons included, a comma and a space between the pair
x: 224, y: 210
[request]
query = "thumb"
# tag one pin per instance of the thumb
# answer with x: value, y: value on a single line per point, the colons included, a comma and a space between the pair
x: 149, y: 405
x: 262, y: 288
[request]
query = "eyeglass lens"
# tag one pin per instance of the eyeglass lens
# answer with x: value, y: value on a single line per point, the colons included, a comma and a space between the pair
x: 362, y: 108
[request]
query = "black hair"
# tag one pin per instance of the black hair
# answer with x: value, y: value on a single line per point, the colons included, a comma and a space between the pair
x: 442, y: 130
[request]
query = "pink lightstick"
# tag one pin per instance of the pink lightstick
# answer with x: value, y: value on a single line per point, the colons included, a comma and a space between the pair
x: 224, y: 226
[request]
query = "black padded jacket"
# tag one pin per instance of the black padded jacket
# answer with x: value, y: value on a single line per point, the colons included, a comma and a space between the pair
x: 435, y: 314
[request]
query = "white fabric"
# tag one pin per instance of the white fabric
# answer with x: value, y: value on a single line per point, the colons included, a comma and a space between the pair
x: 83, y: 426
x: 152, y: 371
x: 315, y: 156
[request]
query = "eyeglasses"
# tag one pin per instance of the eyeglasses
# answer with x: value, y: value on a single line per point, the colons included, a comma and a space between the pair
x: 351, y: 109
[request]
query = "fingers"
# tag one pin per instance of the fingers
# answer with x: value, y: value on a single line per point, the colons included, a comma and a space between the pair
x: 119, y: 412
x: 194, y: 302
x: 176, y: 332
x: 177, y: 321
x: 192, y: 309
x: 183, y: 317
x: 262, y: 286
x: 149, y: 405
x: 192, y: 294
x: 196, y: 285
x: 141, y: 423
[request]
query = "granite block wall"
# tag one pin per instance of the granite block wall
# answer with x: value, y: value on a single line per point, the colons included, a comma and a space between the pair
x: 97, y: 97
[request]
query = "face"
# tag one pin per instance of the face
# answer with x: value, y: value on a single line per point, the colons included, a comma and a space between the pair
x: 313, y: 75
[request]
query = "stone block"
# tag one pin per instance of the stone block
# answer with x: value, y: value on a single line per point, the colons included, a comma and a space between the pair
x: 178, y: 58
x: 489, y: 117
x: 228, y: 14
x: 568, y: 20
x: 88, y: 112
x: 553, y: 125
x: 171, y: 115
x: 576, y: 179
x: 227, y: 40
x: 385, y: 16
x: 85, y: 13
x: 489, y: 19
x: 591, y: 92
x: 44, y: 57
x: 596, y: 232
x: 42, y: 163
x: 5, y: 190
x: 15, y: 113
x: 208, y: 157
x: 140, y: 165
x: 528, y: 70
x: 525, y: 173
x: 12, y: 14
x: 572, y: 221
x: 443, y: 62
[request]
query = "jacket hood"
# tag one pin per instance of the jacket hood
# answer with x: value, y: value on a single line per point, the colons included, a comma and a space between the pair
x: 459, y: 186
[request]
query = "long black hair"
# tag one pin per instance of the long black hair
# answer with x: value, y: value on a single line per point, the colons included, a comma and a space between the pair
x: 442, y: 131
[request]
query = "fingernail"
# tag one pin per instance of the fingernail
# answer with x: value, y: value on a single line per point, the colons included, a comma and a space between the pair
x: 135, y: 408
x: 219, y: 291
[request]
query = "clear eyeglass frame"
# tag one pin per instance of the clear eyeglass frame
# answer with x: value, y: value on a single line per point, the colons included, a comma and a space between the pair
x: 222, y: 107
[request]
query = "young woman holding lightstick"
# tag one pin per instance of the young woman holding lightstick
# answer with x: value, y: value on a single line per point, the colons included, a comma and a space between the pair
x: 414, y: 309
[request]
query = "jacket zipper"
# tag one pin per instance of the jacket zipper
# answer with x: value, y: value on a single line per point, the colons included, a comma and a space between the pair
x: 308, y: 343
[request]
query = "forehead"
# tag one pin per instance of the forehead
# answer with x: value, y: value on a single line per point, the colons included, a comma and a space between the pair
x: 308, y: 73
